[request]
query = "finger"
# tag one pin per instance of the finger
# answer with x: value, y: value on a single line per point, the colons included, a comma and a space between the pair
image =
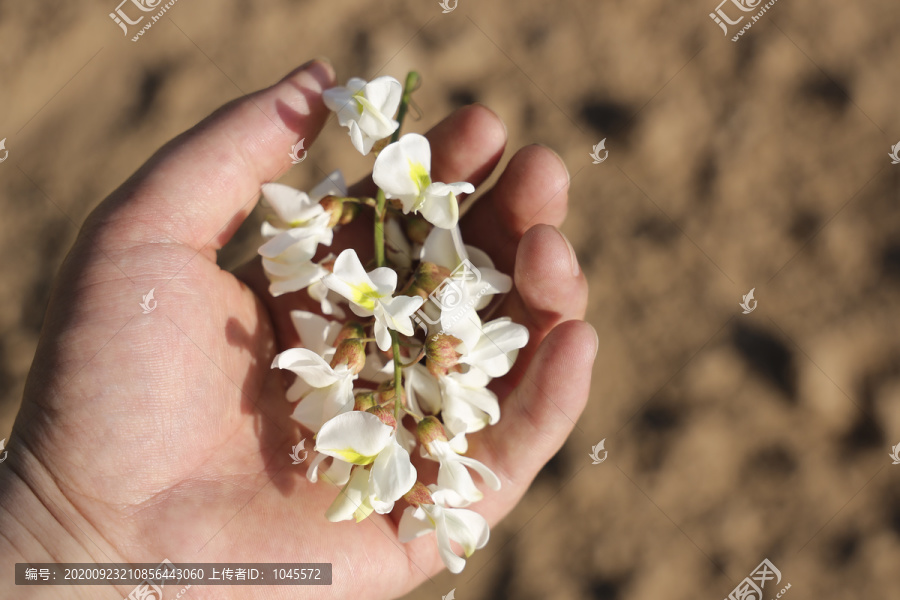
x: 198, y: 188
x: 533, y: 189
x: 549, y: 288
x: 539, y: 415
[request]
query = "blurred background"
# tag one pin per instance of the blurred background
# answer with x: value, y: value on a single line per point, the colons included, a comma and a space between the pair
x: 761, y: 163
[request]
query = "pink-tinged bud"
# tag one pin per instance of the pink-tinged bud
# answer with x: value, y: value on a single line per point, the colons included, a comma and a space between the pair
x: 352, y: 353
x: 385, y: 415
x: 364, y: 400
x: 429, y: 276
x: 441, y: 355
x: 417, y: 229
x: 418, y: 495
x: 350, y: 330
x: 334, y: 206
x: 351, y: 209
x: 429, y: 430
x: 387, y: 393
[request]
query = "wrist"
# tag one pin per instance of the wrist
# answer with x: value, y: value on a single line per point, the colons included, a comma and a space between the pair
x: 38, y: 524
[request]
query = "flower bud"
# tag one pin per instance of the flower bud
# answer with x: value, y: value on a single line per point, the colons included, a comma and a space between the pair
x: 350, y: 330
x: 418, y: 495
x: 428, y: 277
x: 386, y: 393
x: 417, y: 229
x: 441, y: 355
x: 385, y: 415
x: 364, y: 400
x: 351, y: 352
x: 428, y: 430
x: 334, y: 206
x: 351, y: 209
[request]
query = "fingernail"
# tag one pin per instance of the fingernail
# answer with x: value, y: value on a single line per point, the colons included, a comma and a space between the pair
x: 596, y: 341
x: 573, y: 259
x: 320, y: 59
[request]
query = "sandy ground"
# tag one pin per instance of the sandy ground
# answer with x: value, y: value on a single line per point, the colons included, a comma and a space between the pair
x: 758, y: 164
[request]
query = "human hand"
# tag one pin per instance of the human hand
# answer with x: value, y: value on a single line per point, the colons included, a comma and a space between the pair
x: 167, y: 435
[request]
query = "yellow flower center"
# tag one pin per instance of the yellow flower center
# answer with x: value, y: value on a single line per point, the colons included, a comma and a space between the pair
x: 352, y: 456
x: 362, y: 103
x: 365, y: 296
x: 419, y: 174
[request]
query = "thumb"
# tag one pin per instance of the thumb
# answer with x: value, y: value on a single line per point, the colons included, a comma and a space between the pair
x: 197, y: 189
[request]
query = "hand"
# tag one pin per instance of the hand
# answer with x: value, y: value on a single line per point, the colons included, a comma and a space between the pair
x: 167, y: 435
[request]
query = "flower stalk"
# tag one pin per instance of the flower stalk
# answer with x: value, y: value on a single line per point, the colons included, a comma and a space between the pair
x: 412, y: 82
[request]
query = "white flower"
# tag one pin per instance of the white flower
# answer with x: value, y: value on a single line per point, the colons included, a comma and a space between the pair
x: 296, y: 230
x: 361, y: 438
x: 403, y: 171
x: 467, y: 404
x: 371, y: 294
x: 422, y: 390
x: 327, y: 391
x: 366, y: 108
x: 316, y: 333
x: 469, y: 529
x: 497, y: 346
x: 472, y: 282
x: 293, y: 270
x: 299, y: 219
x: 453, y: 474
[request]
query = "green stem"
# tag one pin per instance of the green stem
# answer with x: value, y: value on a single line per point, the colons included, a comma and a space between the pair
x: 379, y: 228
x: 398, y: 375
x: 412, y: 82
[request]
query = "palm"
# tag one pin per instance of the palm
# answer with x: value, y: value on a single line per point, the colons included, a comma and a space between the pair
x: 169, y: 431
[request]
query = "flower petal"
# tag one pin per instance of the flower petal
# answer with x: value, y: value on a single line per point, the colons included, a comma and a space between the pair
x: 441, y: 248
x: 289, y: 204
x: 454, y: 563
x: 353, y: 500
x: 316, y: 333
x: 454, y: 478
x: 396, y: 312
x: 414, y: 523
x: 440, y: 207
x: 321, y: 405
x: 496, y: 350
x: 490, y: 478
x: 403, y: 169
x: 392, y: 474
x: 468, y: 528
x: 384, y: 280
x: 306, y: 364
x: 385, y: 92
x: 382, y: 335
x: 332, y: 185
x: 355, y: 437
x: 422, y: 390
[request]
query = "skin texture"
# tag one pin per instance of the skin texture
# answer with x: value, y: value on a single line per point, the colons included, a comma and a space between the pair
x: 167, y: 435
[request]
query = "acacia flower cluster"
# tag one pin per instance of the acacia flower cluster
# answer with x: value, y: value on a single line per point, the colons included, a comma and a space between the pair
x: 394, y: 372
